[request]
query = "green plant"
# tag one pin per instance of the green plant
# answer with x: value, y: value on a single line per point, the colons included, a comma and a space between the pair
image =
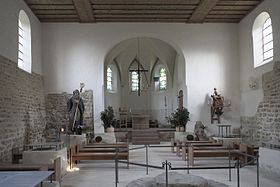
x: 108, y: 118
x: 179, y: 118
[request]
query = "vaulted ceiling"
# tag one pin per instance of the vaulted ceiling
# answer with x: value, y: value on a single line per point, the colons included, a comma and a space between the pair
x: 182, y: 11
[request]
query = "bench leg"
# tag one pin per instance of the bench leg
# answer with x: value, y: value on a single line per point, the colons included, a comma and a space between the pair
x: 184, y: 151
x: 190, y: 156
x: 178, y: 148
x: 172, y: 145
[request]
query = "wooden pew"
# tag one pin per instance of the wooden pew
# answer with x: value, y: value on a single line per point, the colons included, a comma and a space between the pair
x: 197, y: 146
x: 217, y: 152
x: 101, y: 145
x: 248, y: 149
x: 179, y: 143
x: 56, y: 167
x: 99, y: 152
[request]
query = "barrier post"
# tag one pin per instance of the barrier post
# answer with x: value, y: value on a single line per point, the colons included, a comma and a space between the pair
x: 147, y: 161
x: 116, y: 168
x: 258, y: 174
x: 229, y: 166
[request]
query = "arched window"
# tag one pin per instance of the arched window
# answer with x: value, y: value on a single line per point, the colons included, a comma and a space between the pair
x: 134, y: 81
x: 162, y: 79
x: 267, y: 40
x: 109, y: 79
x: 24, y: 42
x: 262, y: 39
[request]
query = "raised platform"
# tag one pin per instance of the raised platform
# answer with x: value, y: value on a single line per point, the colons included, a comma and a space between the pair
x: 124, y: 135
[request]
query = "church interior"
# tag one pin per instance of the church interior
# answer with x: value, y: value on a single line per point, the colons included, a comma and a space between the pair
x: 121, y: 92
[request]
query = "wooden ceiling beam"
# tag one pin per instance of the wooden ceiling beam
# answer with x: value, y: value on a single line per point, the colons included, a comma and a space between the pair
x: 202, y: 10
x: 48, y: 2
x: 143, y: 7
x: 58, y: 16
x: 143, y: 16
x: 237, y: 7
x: 236, y: 2
x: 214, y: 20
x: 133, y: 12
x: 84, y: 10
x: 60, y: 20
x: 57, y: 12
x: 164, y: 20
x: 52, y: 7
x: 228, y: 12
x: 146, y: 2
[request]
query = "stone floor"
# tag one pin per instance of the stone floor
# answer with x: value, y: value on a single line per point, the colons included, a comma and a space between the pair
x: 102, y: 173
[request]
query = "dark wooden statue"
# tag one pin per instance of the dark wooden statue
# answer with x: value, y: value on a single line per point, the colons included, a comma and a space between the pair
x: 216, y: 106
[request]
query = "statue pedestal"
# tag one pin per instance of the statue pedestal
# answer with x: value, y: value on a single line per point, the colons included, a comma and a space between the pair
x: 182, y: 136
x: 70, y: 140
x: 38, y: 157
x: 104, y: 138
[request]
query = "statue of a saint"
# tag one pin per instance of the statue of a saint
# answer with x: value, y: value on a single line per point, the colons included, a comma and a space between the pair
x: 76, y: 108
x: 217, y: 106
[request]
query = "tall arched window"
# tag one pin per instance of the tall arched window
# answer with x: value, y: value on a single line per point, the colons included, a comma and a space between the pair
x: 267, y: 40
x: 262, y: 39
x: 134, y: 81
x: 162, y: 79
x: 109, y: 79
x: 24, y: 42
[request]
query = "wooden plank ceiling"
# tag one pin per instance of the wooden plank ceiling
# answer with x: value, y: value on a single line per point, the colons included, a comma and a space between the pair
x: 182, y: 11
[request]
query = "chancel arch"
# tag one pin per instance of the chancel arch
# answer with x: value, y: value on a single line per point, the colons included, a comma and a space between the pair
x: 146, y: 57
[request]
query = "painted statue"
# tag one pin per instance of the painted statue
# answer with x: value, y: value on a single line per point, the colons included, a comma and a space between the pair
x: 76, y: 108
x: 216, y: 106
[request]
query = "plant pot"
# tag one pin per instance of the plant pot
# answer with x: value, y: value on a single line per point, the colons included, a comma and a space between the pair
x: 181, y: 129
x: 177, y: 129
x: 109, y: 130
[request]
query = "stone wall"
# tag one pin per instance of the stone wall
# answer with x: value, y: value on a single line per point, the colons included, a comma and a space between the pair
x: 57, y: 115
x: 265, y: 125
x: 22, y: 108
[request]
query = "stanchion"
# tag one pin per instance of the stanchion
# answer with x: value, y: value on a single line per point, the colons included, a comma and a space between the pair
x: 116, y: 168
x: 188, y: 159
x: 166, y: 165
x: 229, y: 165
x: 147, y: 161
x: 238, y: 174
x: 258, y: 174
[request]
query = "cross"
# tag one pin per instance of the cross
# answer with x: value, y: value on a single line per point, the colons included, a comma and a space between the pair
x: 138, y: 70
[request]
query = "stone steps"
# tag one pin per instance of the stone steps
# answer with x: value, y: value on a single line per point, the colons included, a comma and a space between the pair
x: 140, y: 137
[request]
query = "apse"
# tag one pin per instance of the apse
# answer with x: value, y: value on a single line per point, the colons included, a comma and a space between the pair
x: 144, y: 75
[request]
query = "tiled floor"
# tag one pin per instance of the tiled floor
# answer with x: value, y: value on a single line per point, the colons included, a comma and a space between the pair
x: 102, y: 173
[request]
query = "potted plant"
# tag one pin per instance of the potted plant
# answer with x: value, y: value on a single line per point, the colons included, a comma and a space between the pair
x: 108, y: 118
x: 179, y: 119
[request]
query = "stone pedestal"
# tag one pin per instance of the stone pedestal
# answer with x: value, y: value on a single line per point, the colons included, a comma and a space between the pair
x: 45, y: 157
x: 227, y: 141
x: 104, y: 137
x: 70, y: 140
x: 182, y: 136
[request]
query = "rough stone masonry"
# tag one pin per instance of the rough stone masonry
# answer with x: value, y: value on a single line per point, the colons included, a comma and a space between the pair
x: 265, y: 125
x: 22, y: 108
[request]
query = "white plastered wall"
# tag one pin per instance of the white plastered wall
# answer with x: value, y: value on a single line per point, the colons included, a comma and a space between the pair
x: 9, y: 12
x: 75, y: 53
x: 250, y: 98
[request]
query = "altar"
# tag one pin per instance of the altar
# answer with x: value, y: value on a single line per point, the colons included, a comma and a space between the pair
x: 140, y: 121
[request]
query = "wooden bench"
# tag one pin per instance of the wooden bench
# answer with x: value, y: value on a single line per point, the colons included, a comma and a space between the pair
x: 218, y: 152
x: 101, y: 145
x: 248, y: 149
x: 206, y: 146
x: 56, y: 167
x: 178, y: 144
x: 99, y: 152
